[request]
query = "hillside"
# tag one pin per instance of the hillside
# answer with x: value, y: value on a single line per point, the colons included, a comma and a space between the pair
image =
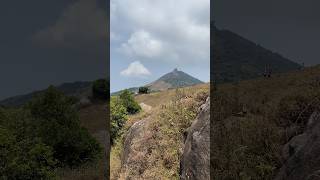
x: 77, y: 89
x: 152, y: 141
x: 267, y: 127
x: 237, y: 58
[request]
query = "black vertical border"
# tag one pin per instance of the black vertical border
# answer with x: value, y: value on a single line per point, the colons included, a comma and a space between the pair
x: 108, y: 146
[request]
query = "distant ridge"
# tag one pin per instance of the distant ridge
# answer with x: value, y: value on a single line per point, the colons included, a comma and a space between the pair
x: 236, y: 58
x: 77, y: 89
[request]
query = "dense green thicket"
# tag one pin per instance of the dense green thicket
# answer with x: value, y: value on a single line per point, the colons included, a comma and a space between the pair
x: 100, y: 89
x: 120, y: 107
x: 42, y: 136
x: 143, y: 90
x: 127, y: 99
x: 118, y: 117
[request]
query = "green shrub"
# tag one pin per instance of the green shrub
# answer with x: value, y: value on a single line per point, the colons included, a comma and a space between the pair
x: 128, y: 102
x: 56, y: 122
x: 100, y: 89
x: 118, y: 117
x: 25, y: 159
x: 143, y: 90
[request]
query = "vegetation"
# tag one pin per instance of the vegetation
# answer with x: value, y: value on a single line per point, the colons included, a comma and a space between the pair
x: 172, y: 112
x: 143, y: 90
x: 127, y: 100
x: 120, y: 107
x: 118, y: 117
x: 100, y: 89
x: 251, y: 121
x: 43, y: 136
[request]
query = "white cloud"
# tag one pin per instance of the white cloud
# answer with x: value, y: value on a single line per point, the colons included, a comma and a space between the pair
x: 135, y: 69
x: 163, y: 30
x: 142, y: 44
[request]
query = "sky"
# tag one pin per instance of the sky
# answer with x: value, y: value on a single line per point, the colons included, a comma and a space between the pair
x: 51, y: 42
x: 150, y: 38
x: 289, y: 27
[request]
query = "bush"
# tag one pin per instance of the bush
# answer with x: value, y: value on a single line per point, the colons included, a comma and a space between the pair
x: 57, y: 123
x: 26, y: 159
x: 43, y: 136
x: 100, y: 89
x: 143, y: 90
x: 118, y: 117
x: 128, y: 102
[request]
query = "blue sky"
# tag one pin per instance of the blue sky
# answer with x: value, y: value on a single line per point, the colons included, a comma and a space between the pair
x: 152, y: 37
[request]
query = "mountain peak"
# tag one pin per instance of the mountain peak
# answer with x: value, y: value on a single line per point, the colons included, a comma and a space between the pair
x: 174, y: 79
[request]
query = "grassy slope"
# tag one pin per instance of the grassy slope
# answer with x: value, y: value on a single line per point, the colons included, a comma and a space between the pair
x: 172, y: 112
x: 249, y: 128
x: 93, y: 118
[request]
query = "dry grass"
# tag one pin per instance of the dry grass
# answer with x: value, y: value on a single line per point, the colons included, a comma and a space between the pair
x: 250, y: 119
x: 157, y: 156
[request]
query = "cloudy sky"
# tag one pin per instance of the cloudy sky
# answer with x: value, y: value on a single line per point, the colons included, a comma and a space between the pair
x: 152, y: 37
x: 289, y: 27
x: 51, y: 42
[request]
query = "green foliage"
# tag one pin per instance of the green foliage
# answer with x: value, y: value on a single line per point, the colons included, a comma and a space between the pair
x: 118, y: 117
x: 128, y: 102
x: 56, y: 122
x: 25, y: 159
x: 100, y: 89
x: 143, y: 90
x: 42, y: 136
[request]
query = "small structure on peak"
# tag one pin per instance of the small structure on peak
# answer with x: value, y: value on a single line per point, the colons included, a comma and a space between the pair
x: 175, y: 70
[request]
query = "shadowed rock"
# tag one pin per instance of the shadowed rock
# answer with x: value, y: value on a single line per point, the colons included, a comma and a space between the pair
x: 303, y: 154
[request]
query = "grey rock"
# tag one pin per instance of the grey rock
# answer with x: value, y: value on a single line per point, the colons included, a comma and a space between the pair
x: 195, y: 160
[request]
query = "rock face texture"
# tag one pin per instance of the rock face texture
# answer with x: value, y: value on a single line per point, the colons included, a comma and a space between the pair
x: 302, y: 154
x: 195, y: 160
x: 134, y: 158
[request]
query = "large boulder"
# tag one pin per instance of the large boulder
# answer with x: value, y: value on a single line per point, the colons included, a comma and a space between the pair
x: 302, y: 153
x: 195, y: 160
x: 135, y: 151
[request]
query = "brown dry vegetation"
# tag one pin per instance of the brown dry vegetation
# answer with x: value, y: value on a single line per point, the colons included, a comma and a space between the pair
x: 251, y: 121
x: 158, y: 153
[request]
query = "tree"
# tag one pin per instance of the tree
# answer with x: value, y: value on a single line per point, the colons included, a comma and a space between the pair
x: 128, y: 102
x: 100, y: 89
x: 56, y: 122
x: 24, y: 159
x: 118, y: 117
x: 143, y: 90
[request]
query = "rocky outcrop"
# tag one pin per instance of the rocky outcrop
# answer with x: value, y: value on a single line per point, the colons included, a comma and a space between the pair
x: 302, y: 153
x: 195, y: 160
x: 136, y: 150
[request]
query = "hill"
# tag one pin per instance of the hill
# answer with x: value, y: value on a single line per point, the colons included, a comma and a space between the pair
x: 78, y: 89
x: 237, y: 58
x: 171, y: 80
